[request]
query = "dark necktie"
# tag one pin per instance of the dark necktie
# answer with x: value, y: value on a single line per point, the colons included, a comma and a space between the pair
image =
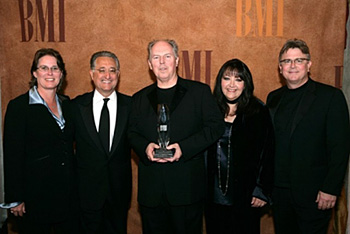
x: 104, y: 125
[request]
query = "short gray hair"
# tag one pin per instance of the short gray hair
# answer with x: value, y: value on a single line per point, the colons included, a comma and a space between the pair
x: 172, y: 43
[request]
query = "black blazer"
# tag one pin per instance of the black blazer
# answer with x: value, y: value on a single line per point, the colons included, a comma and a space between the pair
x: 251, y: 168
x: 102, y: 176
x: 319, y: 141
x: 195, y: 123
x: 38, y: 160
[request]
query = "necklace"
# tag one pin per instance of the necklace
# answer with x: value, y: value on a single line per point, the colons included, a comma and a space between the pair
x: 228, y: 162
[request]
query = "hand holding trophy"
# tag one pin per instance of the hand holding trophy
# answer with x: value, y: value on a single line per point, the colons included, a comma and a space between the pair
x: 163, y: 128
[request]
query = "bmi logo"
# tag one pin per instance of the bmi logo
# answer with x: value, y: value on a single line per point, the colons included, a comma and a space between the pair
x: 193, y: 71
x: 42, y: 20
x: 259, y: 18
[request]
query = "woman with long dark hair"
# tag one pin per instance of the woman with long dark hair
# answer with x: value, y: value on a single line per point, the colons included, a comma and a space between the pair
x: 240, y: 163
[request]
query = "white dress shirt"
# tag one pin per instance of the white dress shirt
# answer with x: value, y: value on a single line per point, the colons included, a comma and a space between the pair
x: 97, y: 104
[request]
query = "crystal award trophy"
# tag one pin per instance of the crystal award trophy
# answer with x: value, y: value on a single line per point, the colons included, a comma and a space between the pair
x: 163, y: 128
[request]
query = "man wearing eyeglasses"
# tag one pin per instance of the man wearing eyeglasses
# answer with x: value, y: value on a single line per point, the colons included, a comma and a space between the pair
x: 312, y: 133
x: 102, y: 149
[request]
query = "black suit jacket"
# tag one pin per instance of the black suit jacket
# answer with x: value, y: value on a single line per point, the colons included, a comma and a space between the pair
x: 319, y: 141
x: 39, y: 162
x: 195, y: 123
x: 102, y: 176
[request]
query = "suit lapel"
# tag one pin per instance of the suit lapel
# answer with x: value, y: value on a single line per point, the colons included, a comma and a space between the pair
x: 275, y: 102
x: 88, y: 118
x: 120, y: 124
x: 65, y: 114
x: 52, y: 121
x: 152, y: 97
x: 179, y: 94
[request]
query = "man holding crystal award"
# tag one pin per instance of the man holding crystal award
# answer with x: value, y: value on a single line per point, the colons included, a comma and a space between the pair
x: 181, y: 116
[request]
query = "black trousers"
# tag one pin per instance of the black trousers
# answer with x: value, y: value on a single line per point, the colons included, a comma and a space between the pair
x: 108, y: 220
x: 291, y: 218
x: 28, y: 226
x: 222, y: 219
x: 168, y: 219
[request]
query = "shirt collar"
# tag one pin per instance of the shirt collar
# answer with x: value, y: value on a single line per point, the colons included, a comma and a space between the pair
x: 99, y: 98
x: 35, y: 98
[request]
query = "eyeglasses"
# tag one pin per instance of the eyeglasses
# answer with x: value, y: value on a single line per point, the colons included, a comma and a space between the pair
x: 104, y: 71
x: 46, y: 69
x: 297, y: 61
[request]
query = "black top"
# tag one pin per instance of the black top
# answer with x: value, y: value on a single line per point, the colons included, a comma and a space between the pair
x: 222, y: 155
x: 165, y: 96
x: 283, y: 125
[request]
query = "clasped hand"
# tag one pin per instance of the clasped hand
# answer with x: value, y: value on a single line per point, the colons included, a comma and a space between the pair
x: 152, y: 146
